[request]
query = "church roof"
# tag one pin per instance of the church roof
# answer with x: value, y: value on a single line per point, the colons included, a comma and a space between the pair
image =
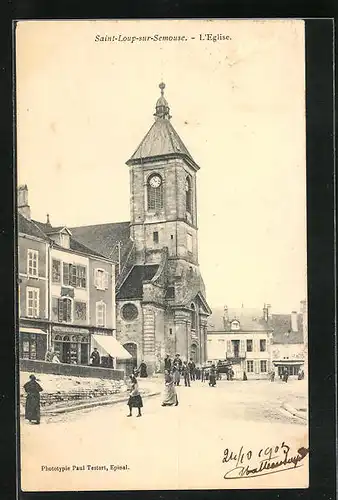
x: 103, y: 238
x: 162, y: 140
x: 132, y: 287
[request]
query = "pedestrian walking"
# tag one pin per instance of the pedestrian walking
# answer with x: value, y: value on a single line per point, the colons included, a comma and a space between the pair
x: 167, y: 363
x: 245, y: 376
x: 143, y: 370
x: 135, y: 400
x: 212, y: 376
x: 286, y: 375
x: 192, y: 369
x: 198, y: 372
x: 49, y: 355
x: 177, y: 368
x: 32, y: 409
x: 95, y: 357
x: 186, y: 374
x: 272, y: 376
x: 169, y: 393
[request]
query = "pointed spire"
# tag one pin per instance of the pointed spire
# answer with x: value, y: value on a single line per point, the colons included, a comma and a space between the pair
x: 162, y: 106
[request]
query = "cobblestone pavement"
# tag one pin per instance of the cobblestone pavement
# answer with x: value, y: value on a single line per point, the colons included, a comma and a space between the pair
x: 168, y: 448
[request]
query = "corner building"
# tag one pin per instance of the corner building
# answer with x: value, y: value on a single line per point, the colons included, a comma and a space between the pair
x: 160, y: 294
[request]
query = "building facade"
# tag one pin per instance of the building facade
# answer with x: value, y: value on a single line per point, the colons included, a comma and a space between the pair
x: 161, y: 305
x: 66, y: 294
x: 244, y: 339
x: 32, y: 290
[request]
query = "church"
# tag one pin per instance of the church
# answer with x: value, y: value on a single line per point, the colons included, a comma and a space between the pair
x: 161, y: 305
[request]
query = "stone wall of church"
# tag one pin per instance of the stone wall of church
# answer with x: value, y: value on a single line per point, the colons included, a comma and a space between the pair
x: 130, y: 330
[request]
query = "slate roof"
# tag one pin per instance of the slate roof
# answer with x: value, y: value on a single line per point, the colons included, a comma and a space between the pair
x: 75, y: 245
x: 30, y: 228
x: 103, y: 238
x: 132, y: 287
x: 281, y: 324
x: 250, y: 319
x: 161, y: 140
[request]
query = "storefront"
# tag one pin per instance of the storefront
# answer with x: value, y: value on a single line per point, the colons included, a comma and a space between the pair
x: 293, y: 366
x: 110, y: 350
x: 33, y: 343
x: 72, y: 344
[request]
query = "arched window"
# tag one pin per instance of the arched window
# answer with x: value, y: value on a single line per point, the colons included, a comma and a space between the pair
x: 188, y: 195
x: 155, y: 192
x: 193, y: 317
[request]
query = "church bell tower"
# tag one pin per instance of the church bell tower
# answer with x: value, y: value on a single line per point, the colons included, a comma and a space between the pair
x: 163, y: 192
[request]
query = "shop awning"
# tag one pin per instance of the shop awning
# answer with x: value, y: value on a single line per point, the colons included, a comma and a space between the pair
x: 280, y: 362
x: 111, y: 346
x: 33, y: 330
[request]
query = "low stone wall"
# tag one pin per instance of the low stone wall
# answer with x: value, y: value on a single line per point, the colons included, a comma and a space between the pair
x: 33, y: 366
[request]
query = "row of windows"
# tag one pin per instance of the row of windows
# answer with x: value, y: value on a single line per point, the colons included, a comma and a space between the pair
x: 155, y: 193
x: 261, y: 366
x: 76, y: 275
x: 64, y: 309
x: 249, y: 344
x: 72, y: 275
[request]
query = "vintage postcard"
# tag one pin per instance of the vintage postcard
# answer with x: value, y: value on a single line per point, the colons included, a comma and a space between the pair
x: 162, y: 290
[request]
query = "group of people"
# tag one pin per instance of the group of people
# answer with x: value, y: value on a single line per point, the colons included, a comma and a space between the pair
x: 52, y: 356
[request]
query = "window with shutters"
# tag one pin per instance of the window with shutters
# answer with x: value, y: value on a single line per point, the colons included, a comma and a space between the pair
x: 65, y: 306
x: 56, y: 271
x: 263, y: 366
x: 249, y: 345
x: 262, y: 345
x: 100, y: 314
x: 74, y: 275
x: 249, y: 366
x: 101, y: 279
x: 33, y: 263
x: 32, y: 302
x: 81, y: 277
x: 66, y: 274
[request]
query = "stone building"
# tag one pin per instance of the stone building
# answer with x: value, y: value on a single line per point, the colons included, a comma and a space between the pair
x: 244, y: 338
x: 66, y: 294
x: 160, y: 295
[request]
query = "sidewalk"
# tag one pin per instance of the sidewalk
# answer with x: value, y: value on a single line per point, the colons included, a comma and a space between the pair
x: 148, y: 388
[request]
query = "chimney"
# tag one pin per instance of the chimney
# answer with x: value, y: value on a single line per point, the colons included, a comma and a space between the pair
x: 294, y: 321
x: 23, y: 207
x: 225, y: 317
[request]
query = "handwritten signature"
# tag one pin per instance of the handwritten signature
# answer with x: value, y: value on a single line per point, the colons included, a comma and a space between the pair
x: 269, y: 460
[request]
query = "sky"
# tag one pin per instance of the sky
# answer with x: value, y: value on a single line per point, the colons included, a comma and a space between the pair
x: 238, y: 105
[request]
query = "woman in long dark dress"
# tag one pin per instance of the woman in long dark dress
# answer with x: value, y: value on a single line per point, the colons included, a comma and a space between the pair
x: 212, y: 376
x: 32, y: 410
x: 135, y: 400
x: 143, y: 370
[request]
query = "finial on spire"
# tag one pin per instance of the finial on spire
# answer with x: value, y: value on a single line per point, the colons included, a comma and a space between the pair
x: 162, y: 107
x: 48, y: 222
x: 162, y: 87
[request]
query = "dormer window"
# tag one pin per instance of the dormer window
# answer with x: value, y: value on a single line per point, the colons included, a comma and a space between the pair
x: 65, y: 240
x: 235, y: 325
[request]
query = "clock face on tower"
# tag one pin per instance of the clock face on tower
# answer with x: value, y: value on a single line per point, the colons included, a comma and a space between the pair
x: 155, y: 181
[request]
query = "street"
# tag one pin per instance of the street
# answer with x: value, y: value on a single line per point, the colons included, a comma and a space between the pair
x: 169, y: 447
